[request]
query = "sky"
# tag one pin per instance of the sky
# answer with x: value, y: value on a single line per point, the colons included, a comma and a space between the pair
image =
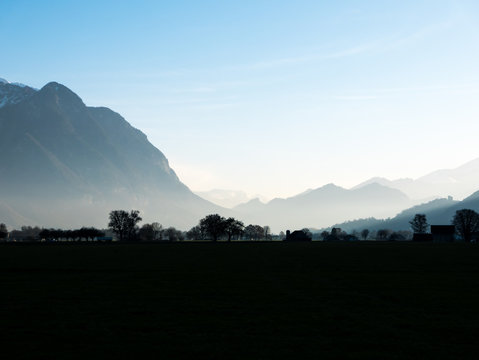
x: 268, y: 97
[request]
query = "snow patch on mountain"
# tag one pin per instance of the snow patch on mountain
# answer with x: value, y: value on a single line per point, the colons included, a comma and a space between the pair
x: 13, y: 93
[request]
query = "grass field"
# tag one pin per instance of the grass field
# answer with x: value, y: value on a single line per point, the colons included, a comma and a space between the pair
x: 240, y: 301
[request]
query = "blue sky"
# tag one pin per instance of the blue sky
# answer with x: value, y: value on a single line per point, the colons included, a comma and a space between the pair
x: 270, y: 97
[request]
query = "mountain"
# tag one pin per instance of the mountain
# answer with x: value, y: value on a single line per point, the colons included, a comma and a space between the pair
x: 324, y: 206
x: 65, y: 164
x: 13, y: 93
x: 458, y: 182
x: 438, y: 212
x: 224, y: 198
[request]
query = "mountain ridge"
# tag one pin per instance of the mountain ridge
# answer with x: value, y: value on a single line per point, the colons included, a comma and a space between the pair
x: 324, y: 206
x: 458, y: 182
x: 56, y: 151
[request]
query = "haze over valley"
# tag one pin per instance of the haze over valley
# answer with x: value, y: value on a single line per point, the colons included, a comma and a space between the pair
x: 66, y: 164
x: 292, y: 115
x: 239, y: 179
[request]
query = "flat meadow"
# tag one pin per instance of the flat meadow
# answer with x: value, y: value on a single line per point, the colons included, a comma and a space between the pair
x: 240, y: 300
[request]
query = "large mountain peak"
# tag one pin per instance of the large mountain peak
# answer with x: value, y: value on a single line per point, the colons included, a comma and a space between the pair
x: 63, y: 162
x: 55, y: 94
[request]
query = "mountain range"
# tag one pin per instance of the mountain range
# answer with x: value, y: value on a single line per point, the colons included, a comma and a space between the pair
x: 63, y: 163
x: 459, y: 183
x: 438, y: 212
x: 326, y: 205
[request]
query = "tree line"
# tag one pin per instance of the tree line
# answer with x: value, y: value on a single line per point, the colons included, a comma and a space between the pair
x: 124, y: 225
x: 212, y: 227
x: 29, y: 233
x: 465, y: 221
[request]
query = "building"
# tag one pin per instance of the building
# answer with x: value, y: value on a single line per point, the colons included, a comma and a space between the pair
x: 443, y: 233
x: 297, y: 235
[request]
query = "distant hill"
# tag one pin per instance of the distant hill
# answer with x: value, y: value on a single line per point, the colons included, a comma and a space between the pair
x: 458, y: 182
x: 63, y: 163
x: 224, y: 198
x: 325, y: 206
x: 438, y: 212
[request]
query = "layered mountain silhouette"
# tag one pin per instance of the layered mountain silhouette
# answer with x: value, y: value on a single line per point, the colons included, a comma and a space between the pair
x: 63, y: 163
x: 459, y: 183
x: 324, y: 206
x: 438, y: 212
x: 225, y: 198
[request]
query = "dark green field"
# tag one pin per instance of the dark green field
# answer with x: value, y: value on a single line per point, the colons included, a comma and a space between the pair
x: 240, y: 301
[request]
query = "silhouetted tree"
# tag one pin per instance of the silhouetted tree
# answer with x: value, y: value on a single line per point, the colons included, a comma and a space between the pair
x: 383, y: 234
x: 249, y: 232
x: 213, y: 225
x: 419, y: 224
x: 68, y: 235
x: 350, y: 237
x: 150, y: 232
x: 157, y: 229
x: 253, y: 232
x: 466, y: 222
x: 26, y: 233
x: 267, y: 232
x: 3, y: 231
x: 364, y: 234
x: 123, y: 224
x: 46, y: 234
x: 336, y: 235
x: 324, y: 235
x: 281, y: 235
x: 174, y: 234
x: 88, y: 233
x: 233, y: 227
x: 259, y: 232
x: 195, y: 233
x: 308, y: 233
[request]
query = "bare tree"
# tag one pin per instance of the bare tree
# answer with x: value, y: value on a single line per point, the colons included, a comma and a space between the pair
x: 150, y: 232
x: 123, y: 224
x: 466, y: 222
